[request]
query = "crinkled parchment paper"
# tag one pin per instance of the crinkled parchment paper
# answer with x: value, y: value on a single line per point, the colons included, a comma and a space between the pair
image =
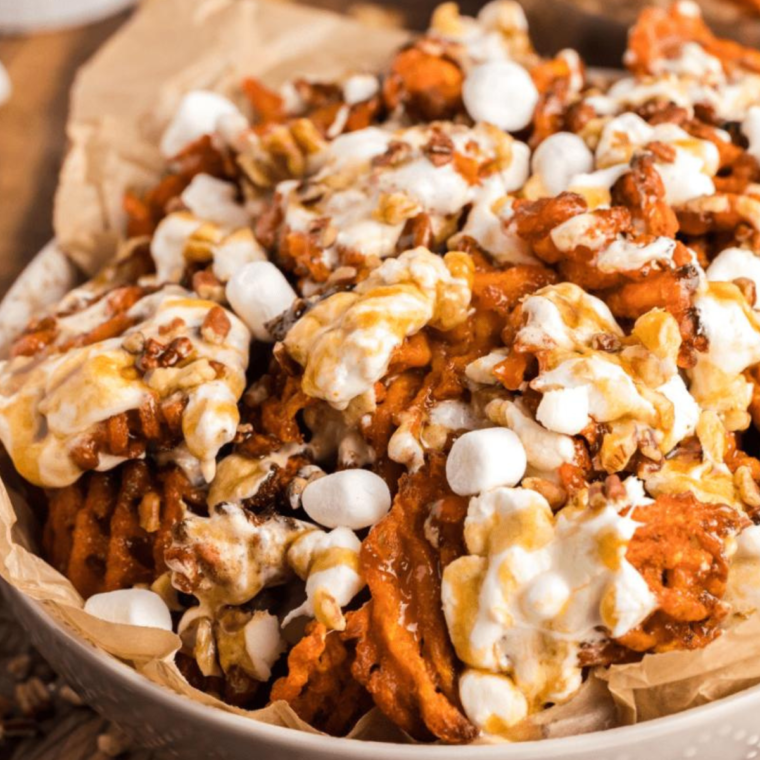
x: 121, y: 100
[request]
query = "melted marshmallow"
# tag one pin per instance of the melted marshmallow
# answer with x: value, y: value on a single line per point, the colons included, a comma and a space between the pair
x: 535, y: 586
x: 345, y: 343
x: 329, y: 563
x: 198, y: 114
x: 49, y: 404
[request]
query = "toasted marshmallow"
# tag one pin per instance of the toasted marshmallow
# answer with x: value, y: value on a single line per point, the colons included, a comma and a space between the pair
x: 198, y: 114
x: 213, y: 200
x: 258, y: 293
x: 484, y: 459
x: 353, y: 499
x: 209, y: 422
x: 492, y: 702
x: 168, y: 245
x: 359, y: 88
x: 733, y: 263
x: 329, y: 563
x: 263, y: 643
x: 751, y: 130
x: 565, y: 410
x: 234, y: 252
x: 559, y: 158
x: 501, y: 93
x: 131, y: 606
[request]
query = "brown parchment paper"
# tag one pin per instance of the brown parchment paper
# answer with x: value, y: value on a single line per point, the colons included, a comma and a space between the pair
x: 121, y: 101
x: 126, y: 94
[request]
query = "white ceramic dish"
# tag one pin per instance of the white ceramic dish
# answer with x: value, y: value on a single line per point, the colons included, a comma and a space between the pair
x: 24, y: 16
x: 728, y: 729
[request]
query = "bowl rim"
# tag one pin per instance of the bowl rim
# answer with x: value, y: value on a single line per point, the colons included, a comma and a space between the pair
x: 290, y: 738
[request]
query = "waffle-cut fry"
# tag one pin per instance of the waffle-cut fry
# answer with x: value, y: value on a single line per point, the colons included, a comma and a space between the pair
x: 680, y: 550
x: 403, y: 654
x: 278, y: 413
x: 89, y: 548
x: 93, y: 530
x: 319, y: 685
x: 391, y: 402
x: 64, y: 505
x: 660, y: 33
x: 130, y: 556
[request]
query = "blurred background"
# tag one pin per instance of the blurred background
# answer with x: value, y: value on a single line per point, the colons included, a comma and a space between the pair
x: 42, y: 44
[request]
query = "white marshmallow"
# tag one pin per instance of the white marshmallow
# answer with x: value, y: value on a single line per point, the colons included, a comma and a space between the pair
x: 502, y: 93
x: 751, y: 130
x: 733, y: 263
x: 559, y: 158
x: 484, y: 459
x: 564, y: 410
x: 353, y: 499
x: 197, y: 115
x: 168, y: 245
x: 263, y: 643
x: 359, y: 88
x: 487, y: 696
x: 131, y: 606
x: 234, y: 252
x: 258, y: 293
x: 213, y: 200
x: 748, y: 543
x: 546, y: 597
x: 329, y: 562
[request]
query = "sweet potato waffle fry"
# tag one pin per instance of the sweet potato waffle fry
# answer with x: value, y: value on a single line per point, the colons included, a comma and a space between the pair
x: 319, y: 685
x: 403, y: 655
x: 427, y: 389
x: 109, y: 530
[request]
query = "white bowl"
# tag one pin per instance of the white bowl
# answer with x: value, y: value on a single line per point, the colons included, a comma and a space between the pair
x: 728, y: 729
x: 23, y: 16
x: 157, y: 718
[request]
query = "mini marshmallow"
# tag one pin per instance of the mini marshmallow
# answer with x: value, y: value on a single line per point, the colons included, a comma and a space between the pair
x: 485, y: 459
x: 751, y: 130
x: 353, y: 499
x: 360, y: 88
x: 502, y: 93
x: 131, y: 606
x: 490, y: 700
x: 559, y: 158
x: 546, y: 597
x: 234, y: 252
x: 168, y: 245
x: 329, y: 563
x: 258, y: 293
x: 198, y: 114
x: 733, y: 263
x: 564, y: 410
x: 263, y: 643
x: 213, y: 200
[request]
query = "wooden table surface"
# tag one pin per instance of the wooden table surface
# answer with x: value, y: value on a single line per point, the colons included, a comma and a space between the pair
x: 32, y: 145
